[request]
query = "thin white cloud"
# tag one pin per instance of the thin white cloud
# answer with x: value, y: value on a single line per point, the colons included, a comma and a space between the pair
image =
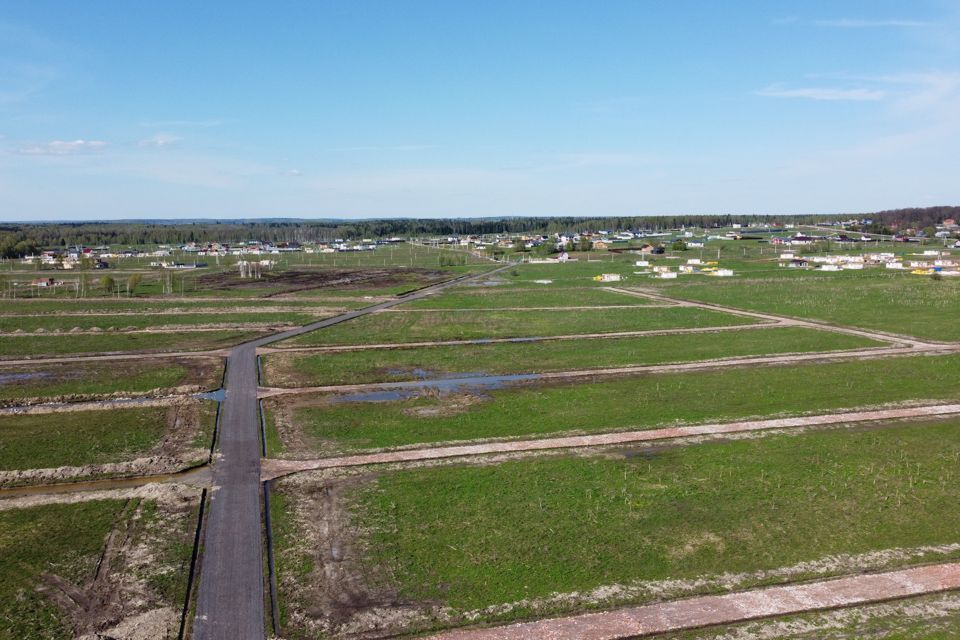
x: 823, y: 93
x: 856, y: 23
x: 160, y: 140
x: 64, y: 147
x: 170, y: 124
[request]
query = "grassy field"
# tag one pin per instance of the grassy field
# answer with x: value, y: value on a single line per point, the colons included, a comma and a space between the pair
x: 147, y: 321
x: 94, y: 378
x: 470, y: 537
x: 897, y: 303
x: 636, y: 402
x: 91, y: 437
x: 184, y: 306
x: 61, y: 539
x: 27, y: 345
x: 417, y: 326
x: 478, y: 297
x: 68, y: 540
x: 295, y: 370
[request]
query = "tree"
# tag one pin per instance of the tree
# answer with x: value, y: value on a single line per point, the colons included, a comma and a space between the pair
x: 132, y: 283
x: 678, y: 245
x: 107, y: 284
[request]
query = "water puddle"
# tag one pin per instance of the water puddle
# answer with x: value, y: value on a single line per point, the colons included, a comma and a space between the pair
x: 7, y: 378
x: 413, y: 388
x: 218, y: 395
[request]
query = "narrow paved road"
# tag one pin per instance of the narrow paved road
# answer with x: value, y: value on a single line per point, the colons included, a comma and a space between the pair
x: 230, y: 599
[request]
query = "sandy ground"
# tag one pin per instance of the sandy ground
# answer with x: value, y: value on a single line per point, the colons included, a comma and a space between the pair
x: 274, y: 468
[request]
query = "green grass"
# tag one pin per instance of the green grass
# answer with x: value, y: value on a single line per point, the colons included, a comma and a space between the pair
x: 469, y: 537
x: 52, y: 344
x: 478, y: 297
x: 79, y: 437
x: 897, y: 303
x: 61, y: 539
x: 146, y: 321
x: 290, y: 369
x: 285, y: 536
x: 417, y: 326
x: 93, y: 378
x: 636, y: 402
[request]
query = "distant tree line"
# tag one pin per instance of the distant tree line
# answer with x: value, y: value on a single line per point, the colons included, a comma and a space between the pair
x: 17, y: 240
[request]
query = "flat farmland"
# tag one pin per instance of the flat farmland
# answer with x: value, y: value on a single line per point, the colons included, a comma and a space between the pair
x: 84, y: 380
x: 506, y: 541
x: 899, y: 303
x: 320, y: 425
x: 415, y: 326
x: 126, y: 559
x: 51, y: 344
x: 351, y: 367
x: 44, y: 447
x: 480, y: 297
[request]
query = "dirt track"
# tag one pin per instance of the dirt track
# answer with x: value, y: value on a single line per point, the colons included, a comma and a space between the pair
x: 730, y: 608
x: 274, y: 468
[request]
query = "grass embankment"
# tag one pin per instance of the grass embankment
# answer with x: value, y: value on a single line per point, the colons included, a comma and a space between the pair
x: 28, y: 345
x: 920, y: 307
x: 94, y: 378
x: 471, y: 537
x: 478, y: 297
x: 418, y: 326
x: 636, y: 402
x: 294, y: 370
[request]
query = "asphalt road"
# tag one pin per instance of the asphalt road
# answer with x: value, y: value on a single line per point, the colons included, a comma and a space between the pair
x: 230, y: 599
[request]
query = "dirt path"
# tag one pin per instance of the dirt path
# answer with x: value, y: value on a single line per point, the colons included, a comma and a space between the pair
x: 571, y: 336
x: 598, y: 307
x: 95, y: 405
x: 800, y: 322
x: 696, y: 365
x: 274, y: 468
x: 731, y: 608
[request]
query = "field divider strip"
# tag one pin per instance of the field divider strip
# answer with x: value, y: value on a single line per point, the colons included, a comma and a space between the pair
x: 731, y: 608
x: 274, y: 468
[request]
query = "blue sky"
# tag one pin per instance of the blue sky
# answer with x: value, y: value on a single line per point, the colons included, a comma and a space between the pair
x: 447, y: 108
